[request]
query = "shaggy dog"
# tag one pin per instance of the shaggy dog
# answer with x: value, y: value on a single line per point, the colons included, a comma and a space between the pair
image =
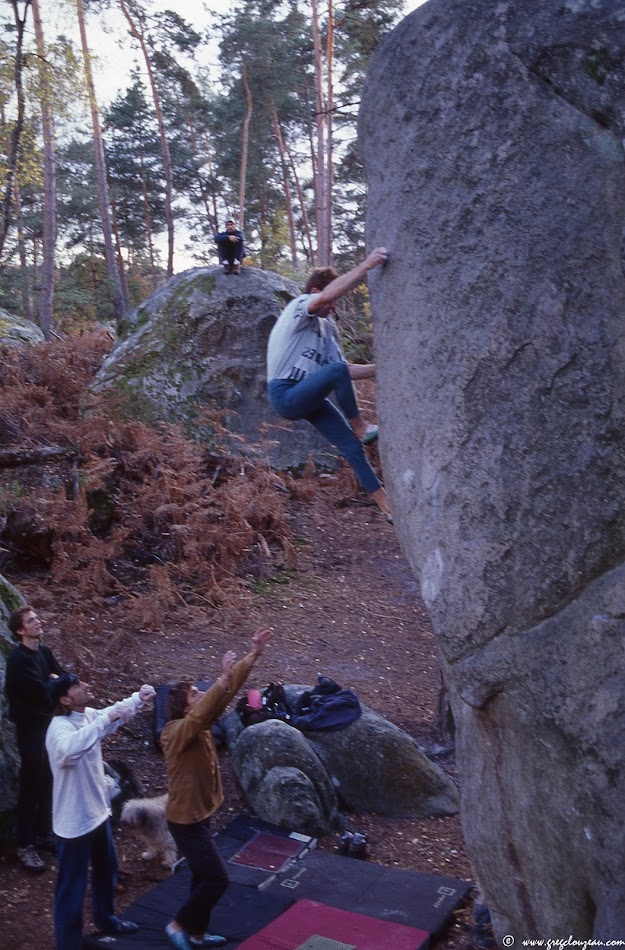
x: 147, y: 815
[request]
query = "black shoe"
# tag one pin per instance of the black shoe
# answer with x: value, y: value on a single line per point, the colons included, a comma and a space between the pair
x: 117, y: 926
x: 227, y: 268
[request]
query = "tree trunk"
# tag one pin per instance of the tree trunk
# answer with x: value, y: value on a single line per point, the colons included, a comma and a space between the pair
x: 262, y: 217
x: 213, y: 197
x: 329, y: 174
x: 100, y: 164
x: 313, y: 164
x: 18, y: 128
x: 300, y: 197
x: 277, y: 131
x: 26, y: 275
x: 139, y: 35
x: 323, y: 251
x: 46, y: 293
x: 148, y: 221
x: 203, y: 190
x: 245, y: 145
x: 118, y: 250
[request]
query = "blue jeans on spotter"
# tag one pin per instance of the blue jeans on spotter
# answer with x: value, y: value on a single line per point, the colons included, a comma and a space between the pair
x: 306, y: 399
x: 73, y: 858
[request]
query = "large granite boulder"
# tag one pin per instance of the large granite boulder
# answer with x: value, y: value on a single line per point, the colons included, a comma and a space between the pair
x: 199, y: 343
x: 17, y: 331
x: 492, y: 132
x: 10, y: 600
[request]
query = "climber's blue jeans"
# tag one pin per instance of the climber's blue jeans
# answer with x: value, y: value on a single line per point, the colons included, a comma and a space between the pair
x: 307, y: 399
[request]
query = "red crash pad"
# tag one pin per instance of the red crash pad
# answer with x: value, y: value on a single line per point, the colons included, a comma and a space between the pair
x: 309, y: 925
x: 268, y: 852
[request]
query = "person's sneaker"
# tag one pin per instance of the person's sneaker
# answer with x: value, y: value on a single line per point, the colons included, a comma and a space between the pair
x: 370, y: 435
x: 237, y: 270
x: 344, y: 842
x: 177, y: 938
x: 226, y: 267
x: 208, y: 940
x: 358, y: 846
x: 29, y: 859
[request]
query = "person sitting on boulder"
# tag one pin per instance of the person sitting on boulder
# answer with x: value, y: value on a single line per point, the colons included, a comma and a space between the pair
x: 230, y: 248
x: 305, y: 363
x: 195, y: 791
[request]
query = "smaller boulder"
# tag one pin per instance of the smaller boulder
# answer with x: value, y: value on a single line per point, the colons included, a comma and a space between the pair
x: 308, y: 801
x: 16, y: 331
x: 288, y: 798
x: 377, y: 767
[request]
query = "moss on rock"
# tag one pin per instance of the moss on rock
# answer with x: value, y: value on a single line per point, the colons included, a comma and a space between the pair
x: 199, y: 343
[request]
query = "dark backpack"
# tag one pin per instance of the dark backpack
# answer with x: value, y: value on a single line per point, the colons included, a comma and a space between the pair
x: 275, y: 705
x: 326, y: 706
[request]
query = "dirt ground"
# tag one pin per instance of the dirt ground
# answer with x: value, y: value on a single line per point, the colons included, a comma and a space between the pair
x: 351, y: 611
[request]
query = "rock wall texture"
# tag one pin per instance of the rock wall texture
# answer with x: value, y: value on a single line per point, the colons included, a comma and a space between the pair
x: 492, y: 133
x: 200, y: 343
x: 10, y: 600
x: 16, y: 331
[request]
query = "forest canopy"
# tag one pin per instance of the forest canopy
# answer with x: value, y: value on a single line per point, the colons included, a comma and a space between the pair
x: 253, y: 117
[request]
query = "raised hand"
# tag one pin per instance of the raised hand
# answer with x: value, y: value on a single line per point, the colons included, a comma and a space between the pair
x: 260, y: 640
x: 227, y: 663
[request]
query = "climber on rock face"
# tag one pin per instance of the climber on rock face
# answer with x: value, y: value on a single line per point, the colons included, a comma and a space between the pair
x: 305, y: 363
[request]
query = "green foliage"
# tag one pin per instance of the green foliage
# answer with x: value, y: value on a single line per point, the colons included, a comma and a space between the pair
x: 204, y: 113
x: 83, y: 294
x: 135, y: 167
x: 361, y: 25
x: 77, y: 196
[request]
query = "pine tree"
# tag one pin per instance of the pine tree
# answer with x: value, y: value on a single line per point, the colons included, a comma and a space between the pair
x: 136, y: 172
x: 46, y: 293
x: 15, y: 139
x: 120, y: 303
